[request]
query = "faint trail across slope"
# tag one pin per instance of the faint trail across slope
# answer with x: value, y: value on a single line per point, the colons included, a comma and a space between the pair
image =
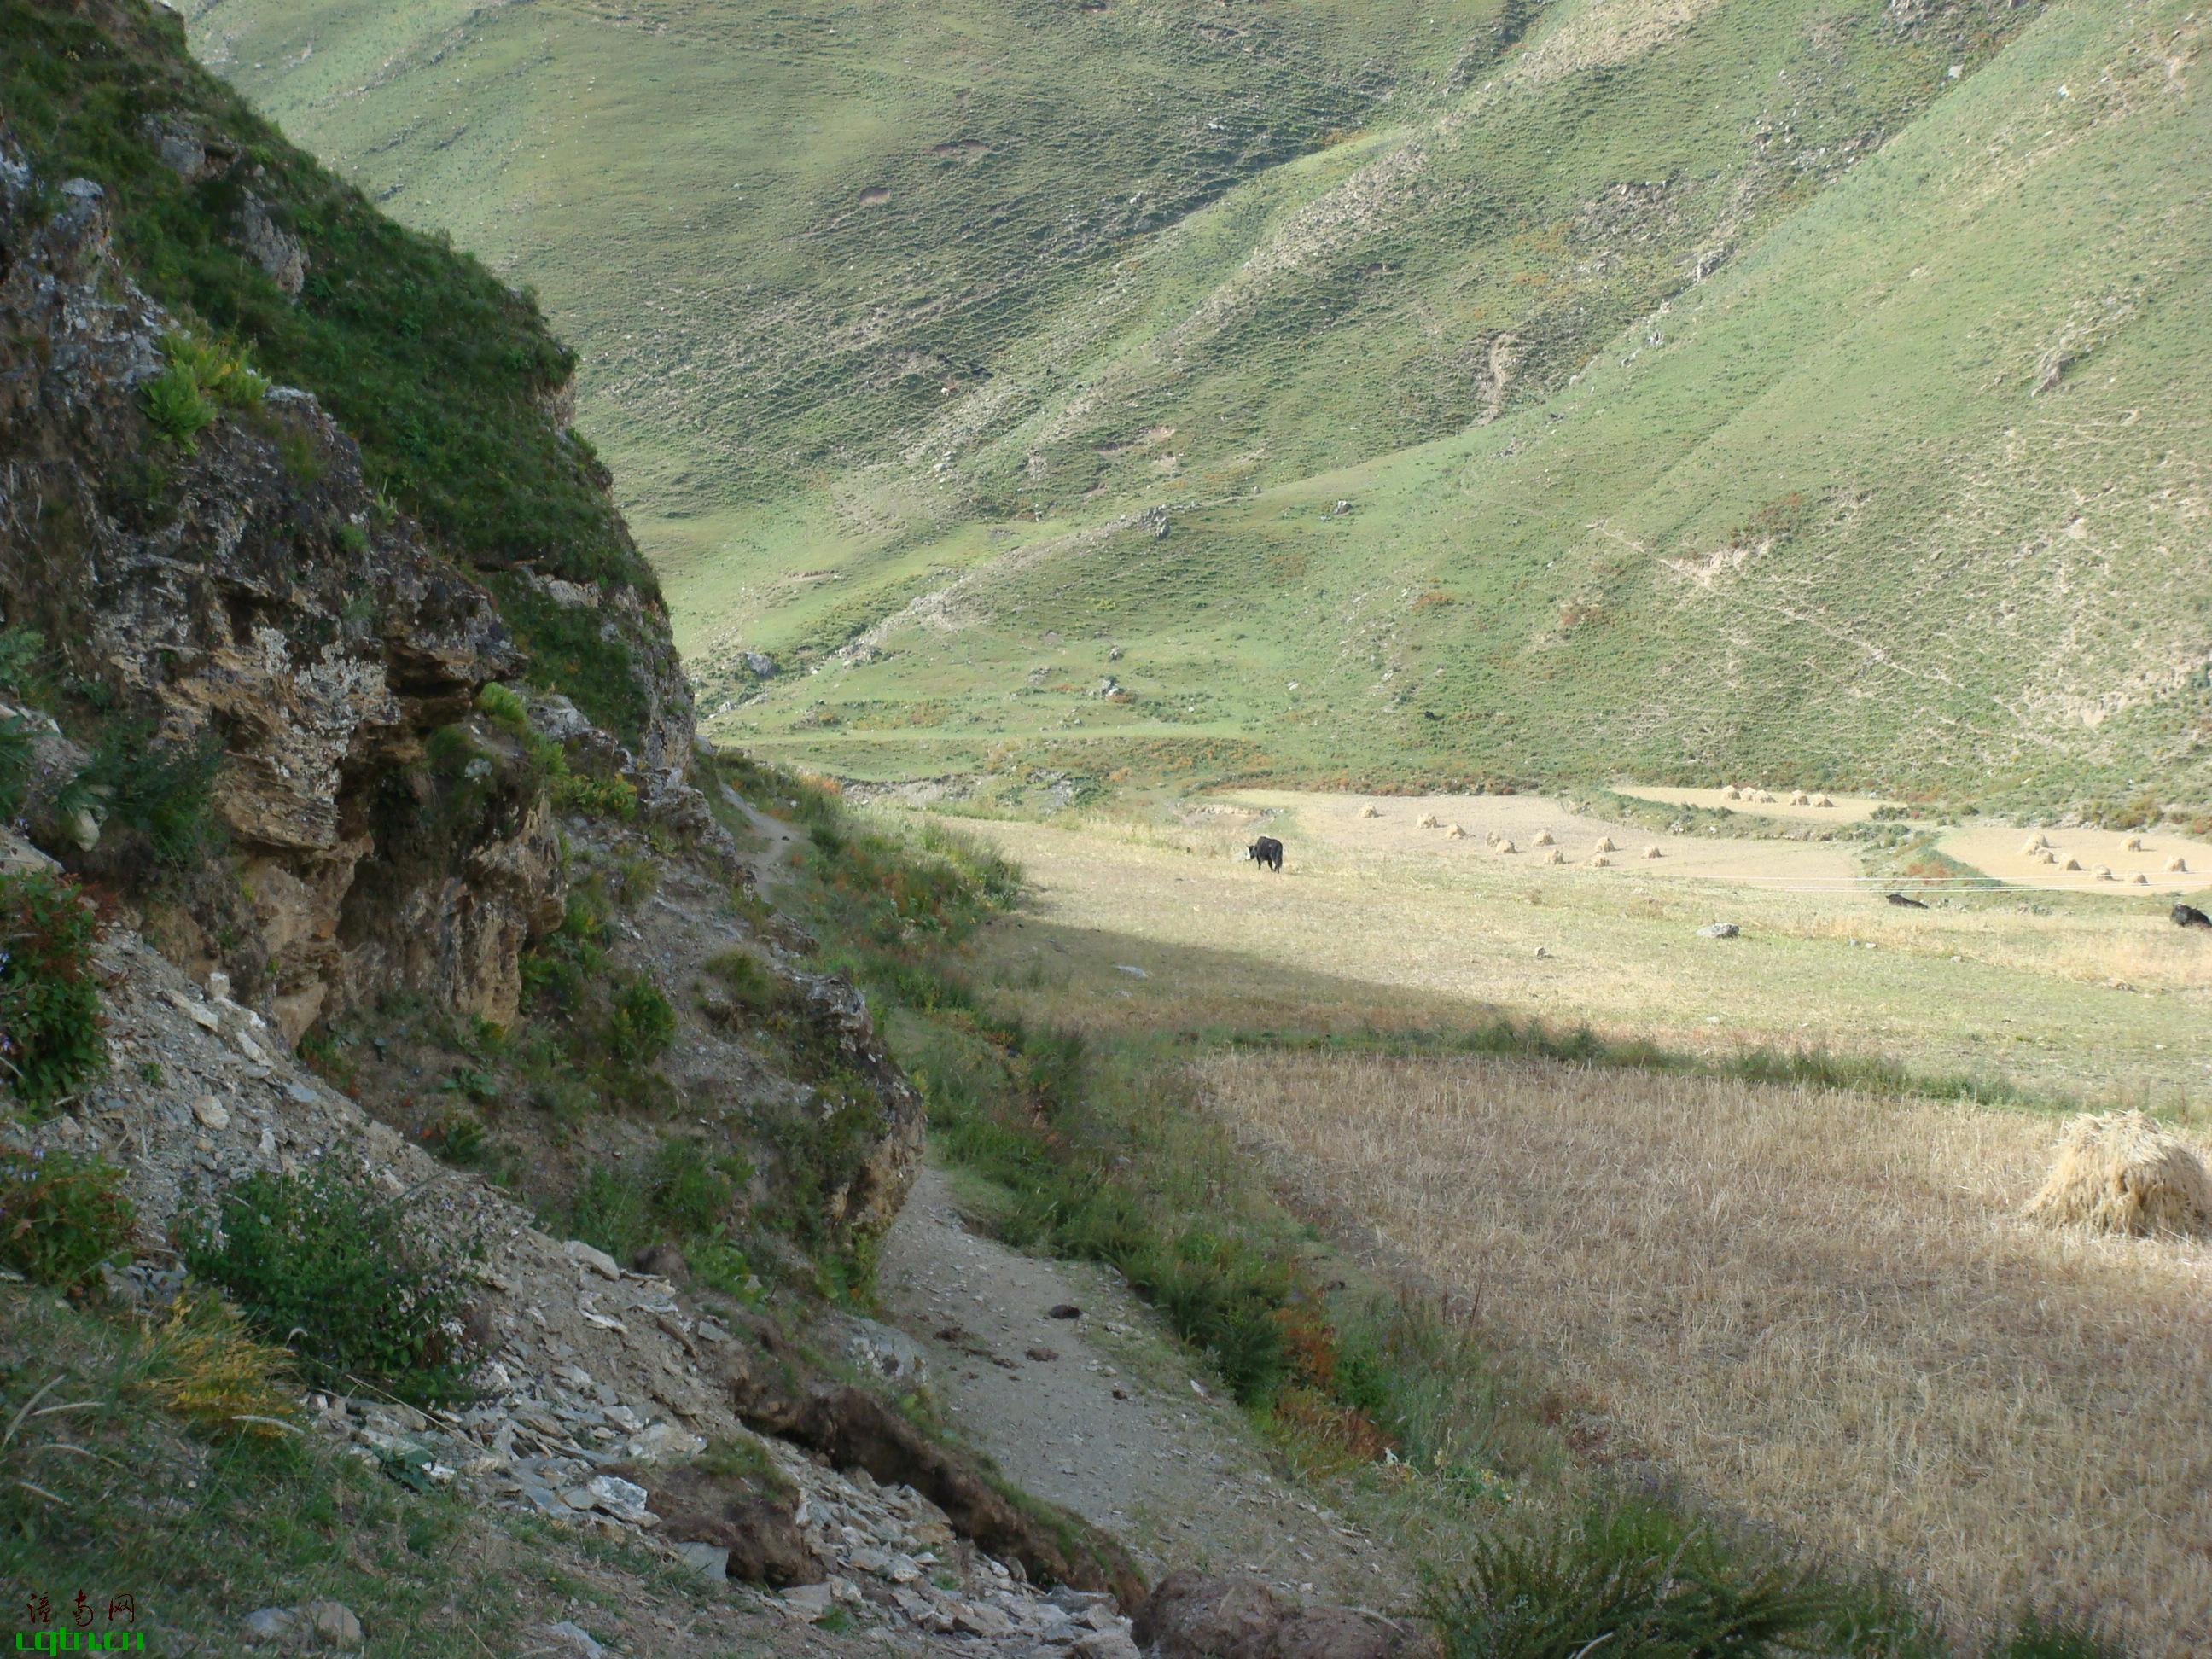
x: 1108, y: 1423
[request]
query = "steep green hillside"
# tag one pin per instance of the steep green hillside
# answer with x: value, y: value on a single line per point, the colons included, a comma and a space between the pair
x: 1813, y: 388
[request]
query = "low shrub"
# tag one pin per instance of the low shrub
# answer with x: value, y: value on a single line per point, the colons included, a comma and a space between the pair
x: 640, y: 1024
x: 680, y: 1195
x: 750, y: 984
x: 21, y: 651
x: 611, y: 1209
x: 457, y: 1136
x: 61, y: 1217
x: 153, y: 798
x: 558, y: 970
x: 17, y: 756
x: 690, y: 1190
x: 50, y: 1041
x: 220, y: 369
x: 345, y: 1273
x: 991, y: 872
x: 722, y: 1265
x: 595, y: 796
x: 500, y: 704
x: 1637, y: 1579
x: 637, y: 879
x: 176, y: 407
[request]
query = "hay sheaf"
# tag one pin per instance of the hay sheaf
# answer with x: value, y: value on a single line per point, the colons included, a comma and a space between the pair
x: 2121, y: 1173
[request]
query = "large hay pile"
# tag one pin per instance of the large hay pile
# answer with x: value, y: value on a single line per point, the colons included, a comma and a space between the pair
x: 2122, y: 1173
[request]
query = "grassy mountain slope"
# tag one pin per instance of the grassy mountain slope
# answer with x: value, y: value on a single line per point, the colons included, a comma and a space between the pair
x: 1808, y: 389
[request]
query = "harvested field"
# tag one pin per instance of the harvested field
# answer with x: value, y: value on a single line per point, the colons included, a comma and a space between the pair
x: 1999, y: 853
x: 1377, y: 922
x: 1824, y: 1308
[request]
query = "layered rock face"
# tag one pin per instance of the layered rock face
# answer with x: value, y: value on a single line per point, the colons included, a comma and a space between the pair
x: 244, y: 583
x: 231, y: 577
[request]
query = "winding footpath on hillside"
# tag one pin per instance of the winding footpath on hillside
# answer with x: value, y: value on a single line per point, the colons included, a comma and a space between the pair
x: 1100, y: 1413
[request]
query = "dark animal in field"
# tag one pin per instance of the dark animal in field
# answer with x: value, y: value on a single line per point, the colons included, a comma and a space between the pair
x: 2188, y: 915
x: 1909, y: 903
x: 1268, y: 851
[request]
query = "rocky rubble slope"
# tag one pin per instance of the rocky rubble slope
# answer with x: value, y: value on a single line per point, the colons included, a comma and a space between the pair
x: 604, y: 1385
x: 305, y: 750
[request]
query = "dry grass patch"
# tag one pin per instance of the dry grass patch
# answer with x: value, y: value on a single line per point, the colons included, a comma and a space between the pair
x: 1823, y: 1307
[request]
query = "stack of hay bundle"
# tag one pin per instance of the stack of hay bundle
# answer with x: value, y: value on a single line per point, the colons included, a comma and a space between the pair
x: 2119, y: 1172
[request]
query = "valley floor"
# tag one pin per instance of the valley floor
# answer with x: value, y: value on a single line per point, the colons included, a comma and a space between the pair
x: 1816, y: 1308
x: 1381, y: 923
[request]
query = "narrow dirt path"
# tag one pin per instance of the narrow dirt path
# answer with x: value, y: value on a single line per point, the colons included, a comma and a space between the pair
x: 770, y: 862
x: 1098, y: 1412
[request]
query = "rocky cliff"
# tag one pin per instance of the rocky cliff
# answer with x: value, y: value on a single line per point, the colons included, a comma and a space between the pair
x: 322, y: 776
x: 340, y: 755
x: 245, y: 587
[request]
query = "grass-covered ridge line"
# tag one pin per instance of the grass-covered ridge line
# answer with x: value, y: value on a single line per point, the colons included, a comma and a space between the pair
x: 442, y: 372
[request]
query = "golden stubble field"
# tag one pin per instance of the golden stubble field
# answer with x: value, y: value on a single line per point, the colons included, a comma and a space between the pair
x: 1822, y: 1310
